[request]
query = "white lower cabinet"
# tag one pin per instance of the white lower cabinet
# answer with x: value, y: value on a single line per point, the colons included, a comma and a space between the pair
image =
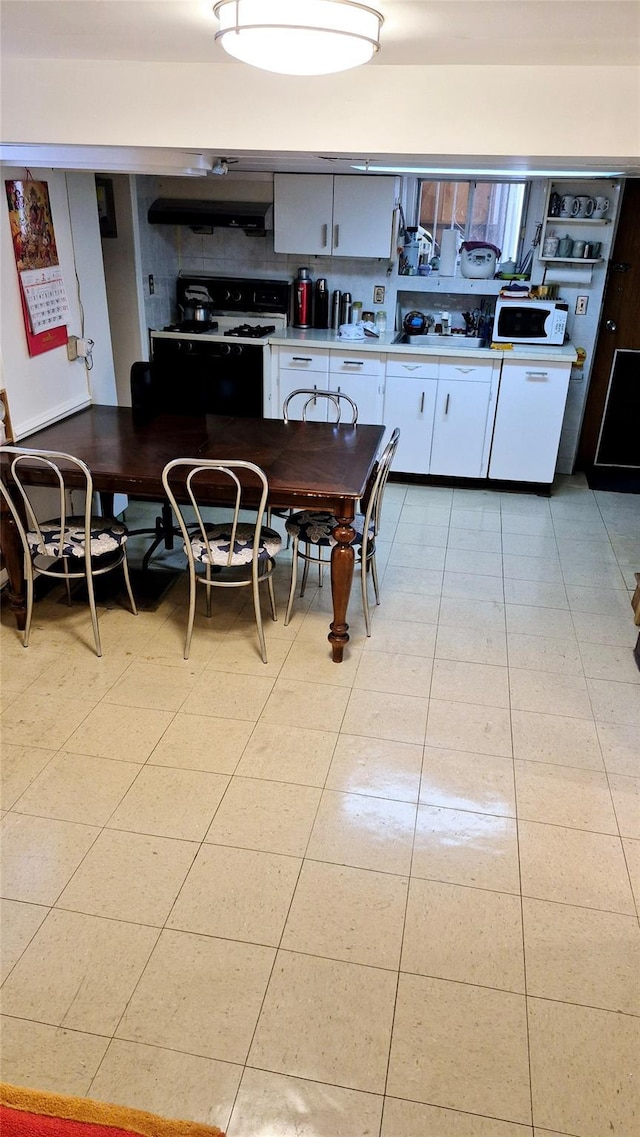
x: 444, y: 408
x: 459, y: 429
x: 528, y: 421
x: 305, y: 368
x: 361, y: 376
x: 409, y: 403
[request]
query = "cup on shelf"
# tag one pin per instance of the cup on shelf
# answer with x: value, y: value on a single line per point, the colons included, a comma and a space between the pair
x: 550, y: 247
x: 595, y: 249
x: 555, y: 204
x: 566, y: 205
x: 583, y: 206
x: 601, y: 206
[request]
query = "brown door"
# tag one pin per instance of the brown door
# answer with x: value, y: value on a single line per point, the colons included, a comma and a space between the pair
x: 619, y: 328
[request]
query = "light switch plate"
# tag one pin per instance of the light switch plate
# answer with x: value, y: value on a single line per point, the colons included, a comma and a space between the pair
x: 581, y: 305
x: 378, y: 294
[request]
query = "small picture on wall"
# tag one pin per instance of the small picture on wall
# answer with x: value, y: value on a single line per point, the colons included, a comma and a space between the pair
x: 106, y: 207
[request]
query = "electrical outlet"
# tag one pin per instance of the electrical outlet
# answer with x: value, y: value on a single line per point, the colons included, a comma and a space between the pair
x: 72, y: 348
x: 581, y: 305
x: 152, y: 285
x: 378, y: 294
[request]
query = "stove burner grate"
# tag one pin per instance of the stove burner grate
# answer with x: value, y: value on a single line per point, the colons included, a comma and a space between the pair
x: 251, y: 331
x: 192, y: 327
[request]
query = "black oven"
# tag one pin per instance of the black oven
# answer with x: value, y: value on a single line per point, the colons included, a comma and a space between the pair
x: 194, y: 375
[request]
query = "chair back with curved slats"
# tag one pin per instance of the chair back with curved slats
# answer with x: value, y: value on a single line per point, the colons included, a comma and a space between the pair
x: 373, y: 501
x: 227, y: 545
x: 337, y: 400
x: 68, y: 538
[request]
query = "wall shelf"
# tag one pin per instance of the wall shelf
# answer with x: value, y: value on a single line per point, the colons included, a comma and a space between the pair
x: 560, y: 220
x: 457, y: 285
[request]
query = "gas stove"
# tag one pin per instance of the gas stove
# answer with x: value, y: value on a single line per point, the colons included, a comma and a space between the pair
x: 245, y: 309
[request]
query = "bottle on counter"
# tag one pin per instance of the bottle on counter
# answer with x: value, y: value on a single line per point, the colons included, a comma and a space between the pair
x: 302, y: 296
x: 321, y: 304
x: 345, y: 308
x: 335, y: 309
x: 356, y: 311
x: 381, y: 322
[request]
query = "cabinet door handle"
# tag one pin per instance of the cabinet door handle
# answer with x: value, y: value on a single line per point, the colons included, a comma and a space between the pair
x: 536, y: 374
x: 411, y: 366
x: 301, y: 359
x: 336, y: 236
x: 465, y: 370
x: 353, y: 362
x: 446, y: 405
x: 422, y: 403
x: 325, y: 236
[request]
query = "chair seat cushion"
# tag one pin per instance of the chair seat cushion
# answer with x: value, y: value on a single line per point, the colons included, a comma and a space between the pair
x: 220, y: 544
x: 107, y: 536
x: 315, y: 527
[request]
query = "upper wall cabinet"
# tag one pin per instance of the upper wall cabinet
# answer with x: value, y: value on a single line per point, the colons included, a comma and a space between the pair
x: 326, y: 215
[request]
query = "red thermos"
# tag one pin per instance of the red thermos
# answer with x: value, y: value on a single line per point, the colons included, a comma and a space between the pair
x: 302, y: 294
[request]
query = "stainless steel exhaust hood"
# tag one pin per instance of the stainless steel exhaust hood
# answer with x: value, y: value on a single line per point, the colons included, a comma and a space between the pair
x: 252, y: 216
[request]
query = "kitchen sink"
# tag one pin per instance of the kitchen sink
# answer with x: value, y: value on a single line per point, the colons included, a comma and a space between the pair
x: 433, y: 339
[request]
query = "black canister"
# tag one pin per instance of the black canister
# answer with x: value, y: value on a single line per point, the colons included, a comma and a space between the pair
x: 321, y: 304
x: 335, y: 309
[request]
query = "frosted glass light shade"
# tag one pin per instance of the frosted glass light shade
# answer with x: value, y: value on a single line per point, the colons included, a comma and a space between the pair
x: 299, y: 37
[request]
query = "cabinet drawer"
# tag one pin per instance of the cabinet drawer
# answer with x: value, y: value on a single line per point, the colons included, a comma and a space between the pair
x: 304, y: 359
x: 413, y: 366
x: 467, y: 369
x: 352, y: 363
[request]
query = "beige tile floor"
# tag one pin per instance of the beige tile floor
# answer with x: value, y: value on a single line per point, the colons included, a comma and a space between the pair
x: 392, y: 898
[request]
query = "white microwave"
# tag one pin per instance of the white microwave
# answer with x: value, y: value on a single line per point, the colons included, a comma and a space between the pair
x: 530, y: 321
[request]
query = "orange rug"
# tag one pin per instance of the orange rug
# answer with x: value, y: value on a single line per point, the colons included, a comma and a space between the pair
x: 35, y: 1113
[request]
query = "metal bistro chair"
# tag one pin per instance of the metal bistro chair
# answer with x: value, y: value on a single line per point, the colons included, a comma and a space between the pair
x: 52, y: 547
x: 232, y: 544
x: 336, y: 400
x: 314, y: 530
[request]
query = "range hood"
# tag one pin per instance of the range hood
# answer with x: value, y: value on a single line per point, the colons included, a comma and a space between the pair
x: 252, y: 216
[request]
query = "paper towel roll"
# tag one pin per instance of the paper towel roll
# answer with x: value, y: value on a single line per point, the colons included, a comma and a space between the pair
x: 570, y: 274
x: 449, y: 252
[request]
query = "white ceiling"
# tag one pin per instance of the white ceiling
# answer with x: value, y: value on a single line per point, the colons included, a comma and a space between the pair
x: 579, y: 33
x: 517, y: 32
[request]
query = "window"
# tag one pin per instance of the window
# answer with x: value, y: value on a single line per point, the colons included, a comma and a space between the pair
x: 480, y: 211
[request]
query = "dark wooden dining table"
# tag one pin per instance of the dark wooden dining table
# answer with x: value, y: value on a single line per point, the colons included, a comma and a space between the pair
x: 309, y: 465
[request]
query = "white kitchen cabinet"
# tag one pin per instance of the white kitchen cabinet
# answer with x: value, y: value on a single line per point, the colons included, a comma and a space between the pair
x: 409, y: 403
x: 459, y: 429
x: 360, y: 375
x: 343, y: 215
x: 463, y: 417
x: 306, y: 368
x: 529, y: 414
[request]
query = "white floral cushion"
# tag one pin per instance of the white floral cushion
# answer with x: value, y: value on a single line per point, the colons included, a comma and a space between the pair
x: 107, y: 536
x: 220, y: 543
x: 316, y: 527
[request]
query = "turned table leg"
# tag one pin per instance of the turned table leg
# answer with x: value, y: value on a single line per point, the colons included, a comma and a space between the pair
x: 342, y: 562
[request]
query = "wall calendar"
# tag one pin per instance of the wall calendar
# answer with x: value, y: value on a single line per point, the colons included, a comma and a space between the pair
x: 42, y: 293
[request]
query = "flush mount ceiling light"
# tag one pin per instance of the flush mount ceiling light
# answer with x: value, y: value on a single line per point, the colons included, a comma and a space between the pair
x: 299, y: 37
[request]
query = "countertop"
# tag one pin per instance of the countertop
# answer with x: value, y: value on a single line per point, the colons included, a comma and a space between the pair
x: 320, y: 337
